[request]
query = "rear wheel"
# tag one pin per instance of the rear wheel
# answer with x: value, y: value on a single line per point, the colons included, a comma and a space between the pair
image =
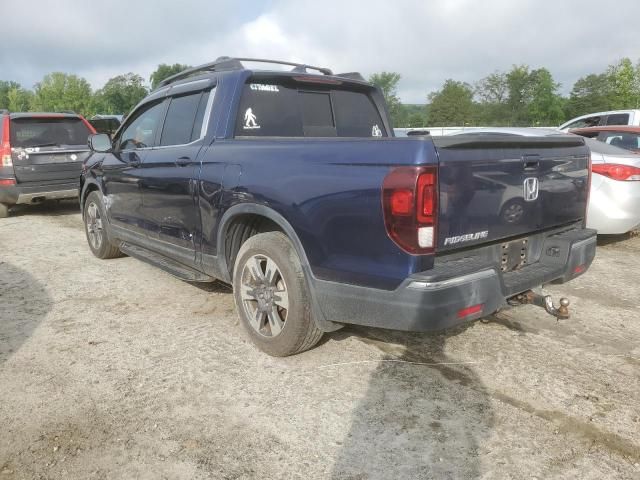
x: 272, y: 296
x: 95, y: 228
x: 4, y: 210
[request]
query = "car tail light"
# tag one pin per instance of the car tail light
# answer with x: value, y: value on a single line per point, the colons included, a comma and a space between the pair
x: 5, y: 147
x: 617, y: 172
x: 5, y: 182
x: 409, y: 203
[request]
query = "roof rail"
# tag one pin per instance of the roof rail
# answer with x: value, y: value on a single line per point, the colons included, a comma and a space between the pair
x: 233, y: 63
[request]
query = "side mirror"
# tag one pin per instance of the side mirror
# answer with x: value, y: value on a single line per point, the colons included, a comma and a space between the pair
x: 100, y: 142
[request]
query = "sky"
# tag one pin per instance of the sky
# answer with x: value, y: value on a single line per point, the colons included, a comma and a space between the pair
x: 426, y: 41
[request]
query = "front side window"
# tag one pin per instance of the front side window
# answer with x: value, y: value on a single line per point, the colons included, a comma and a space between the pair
x: 183, y: 123
x: 292, y: 109
x: 142, y: 128
x: 585, y: 122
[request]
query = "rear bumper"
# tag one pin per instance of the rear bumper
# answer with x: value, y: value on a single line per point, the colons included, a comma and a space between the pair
x: 25, y: 194
x: 434, y: 300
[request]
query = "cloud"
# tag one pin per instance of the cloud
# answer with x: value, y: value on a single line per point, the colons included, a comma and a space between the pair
x: 426, y: 41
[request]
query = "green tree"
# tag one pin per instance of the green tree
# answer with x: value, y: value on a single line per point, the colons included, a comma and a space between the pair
x: 452, y: 105
x: 545, y: 106
x: 19, y: 99
x: 519, y: 83
x: 625, y: 85
x: 165, y: 71
x: 589, y: 94
x: 388, y: 83
x: 120, y: 94
x: 492, y: 92
x: 5, y: 87
x: 60, y: 91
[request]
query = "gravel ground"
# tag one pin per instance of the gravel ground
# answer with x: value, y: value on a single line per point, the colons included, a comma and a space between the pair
x: 114, y: 369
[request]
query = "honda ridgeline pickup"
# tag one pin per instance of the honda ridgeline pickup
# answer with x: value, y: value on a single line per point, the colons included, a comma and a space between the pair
x: 291, y: 186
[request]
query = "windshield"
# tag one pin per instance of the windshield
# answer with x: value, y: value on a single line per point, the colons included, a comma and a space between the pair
x: 43, y: 131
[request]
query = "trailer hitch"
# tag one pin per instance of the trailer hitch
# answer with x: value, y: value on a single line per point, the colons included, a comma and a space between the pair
x: 544, y: 301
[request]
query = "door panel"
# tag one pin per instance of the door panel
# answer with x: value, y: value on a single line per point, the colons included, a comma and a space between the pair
x: 123, y: 172
x: 123, y: 194
x: 169, y: 202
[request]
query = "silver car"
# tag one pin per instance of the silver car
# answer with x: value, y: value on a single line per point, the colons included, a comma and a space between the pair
x: 614, y: 202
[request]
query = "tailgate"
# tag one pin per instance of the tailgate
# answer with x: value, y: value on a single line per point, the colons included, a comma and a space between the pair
x: 48, y: 164
x: 48, y: 149
x: 495, y: 186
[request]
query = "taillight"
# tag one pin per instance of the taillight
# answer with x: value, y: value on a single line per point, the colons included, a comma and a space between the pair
x: 5, y: 147
x: 5, y: 182
x: 409, y: 204
x: 617, y: 171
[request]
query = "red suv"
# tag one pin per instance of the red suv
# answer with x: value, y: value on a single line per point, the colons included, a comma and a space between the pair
x: 41, y: 155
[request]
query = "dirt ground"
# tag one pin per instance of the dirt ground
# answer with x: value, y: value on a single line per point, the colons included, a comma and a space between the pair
x: 114, y: 369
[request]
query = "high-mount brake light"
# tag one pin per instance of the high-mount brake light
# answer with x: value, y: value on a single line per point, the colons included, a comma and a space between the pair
x: 409, y: 204
x: 5, y: 147
x: 625, y: 173
x: 317, y: 79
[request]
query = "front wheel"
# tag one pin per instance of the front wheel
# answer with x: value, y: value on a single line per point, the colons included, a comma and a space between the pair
x: 272, y: 296
x: 95, y: 228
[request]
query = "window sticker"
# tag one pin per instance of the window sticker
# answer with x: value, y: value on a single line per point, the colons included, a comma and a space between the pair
x: 375, y: 131
x: 250, y: 120
x: 261, y: 87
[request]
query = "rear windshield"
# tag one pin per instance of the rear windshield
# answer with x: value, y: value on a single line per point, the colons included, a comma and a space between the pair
x: 43, y: 132
x: 304, y: 110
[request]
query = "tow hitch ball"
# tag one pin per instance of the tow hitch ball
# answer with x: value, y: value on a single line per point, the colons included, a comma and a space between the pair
x: 544, y: 301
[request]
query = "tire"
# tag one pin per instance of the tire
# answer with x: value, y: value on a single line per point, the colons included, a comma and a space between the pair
x: 272, y: 296
x: 4, y: 210
x: 95, y: 228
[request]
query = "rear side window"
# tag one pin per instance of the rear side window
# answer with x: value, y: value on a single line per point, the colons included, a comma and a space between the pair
x: 48, y: 132
x: 301, y: 110
x: 618, y: 119
x: 628, y: 141
x: 183, y: 123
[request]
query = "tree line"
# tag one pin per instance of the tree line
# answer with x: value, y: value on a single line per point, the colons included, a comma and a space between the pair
x: 58, y: 92
x: 519, y: 97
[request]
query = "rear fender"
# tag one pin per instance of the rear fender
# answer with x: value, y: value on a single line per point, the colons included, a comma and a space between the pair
x: 250, y: 208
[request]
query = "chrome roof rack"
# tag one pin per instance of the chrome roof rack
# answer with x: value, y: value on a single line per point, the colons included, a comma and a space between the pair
x: 233, y: 63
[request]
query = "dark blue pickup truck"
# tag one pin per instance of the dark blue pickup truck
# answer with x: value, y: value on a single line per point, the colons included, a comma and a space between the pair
x: 291, y: 186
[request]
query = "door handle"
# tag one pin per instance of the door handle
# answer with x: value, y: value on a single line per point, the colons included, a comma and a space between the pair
x: 183, y: 161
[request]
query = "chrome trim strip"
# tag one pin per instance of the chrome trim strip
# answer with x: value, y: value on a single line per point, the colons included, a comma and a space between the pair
x: 418, y: 285
x: 207, y: 113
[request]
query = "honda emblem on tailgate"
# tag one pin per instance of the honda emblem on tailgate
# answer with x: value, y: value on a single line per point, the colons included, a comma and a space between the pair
x: 530, y: 189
